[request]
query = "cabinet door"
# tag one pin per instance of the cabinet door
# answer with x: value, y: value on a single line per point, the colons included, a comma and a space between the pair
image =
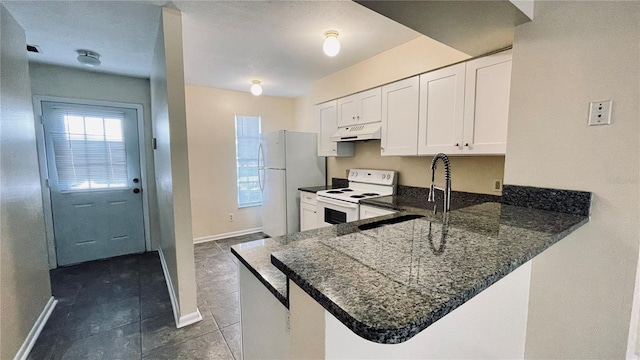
x: 441, y: 111
x: 369, y: 106
x: 328, y: 118
x: 488, y: 82
x: 308, y: 217
x: 367, y: 212
x: 347, y: 110
x: 327, y: 114
x: 400, y: 117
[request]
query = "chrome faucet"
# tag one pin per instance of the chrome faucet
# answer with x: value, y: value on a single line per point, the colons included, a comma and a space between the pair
x: 447, y: 181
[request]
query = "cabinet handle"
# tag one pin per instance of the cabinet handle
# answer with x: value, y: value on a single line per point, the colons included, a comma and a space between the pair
x: 457, y: 144
x: 382, y: 148
x: 333, y: 149
x: 467, y: 144
x: 358, y: 116
x: 353, y: 117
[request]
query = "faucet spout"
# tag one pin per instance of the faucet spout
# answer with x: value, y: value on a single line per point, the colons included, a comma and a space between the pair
x: 447, y: 181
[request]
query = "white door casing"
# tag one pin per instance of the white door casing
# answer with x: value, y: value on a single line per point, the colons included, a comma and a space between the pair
x: 93, y: 171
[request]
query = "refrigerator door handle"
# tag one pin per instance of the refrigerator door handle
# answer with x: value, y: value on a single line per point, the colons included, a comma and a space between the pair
x: 260, y: 167
x: 260, y: 172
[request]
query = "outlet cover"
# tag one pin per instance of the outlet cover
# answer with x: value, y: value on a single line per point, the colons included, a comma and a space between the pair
x: 497, y: 185
x: 600, y: 113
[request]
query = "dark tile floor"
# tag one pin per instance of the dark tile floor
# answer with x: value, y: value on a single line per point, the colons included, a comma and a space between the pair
x: 119, y: 308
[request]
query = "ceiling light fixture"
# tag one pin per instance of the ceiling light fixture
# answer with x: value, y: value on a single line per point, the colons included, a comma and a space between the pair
x: 88, y: 58
x: 256, y: 88
x: 331, y: 46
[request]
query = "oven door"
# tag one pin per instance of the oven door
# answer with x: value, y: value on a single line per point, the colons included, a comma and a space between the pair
x: 331, y: 211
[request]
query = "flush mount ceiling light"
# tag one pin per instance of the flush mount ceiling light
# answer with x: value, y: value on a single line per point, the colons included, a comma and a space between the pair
x: 256, y: 88
x: 88, y: 58
x: 331, y: 46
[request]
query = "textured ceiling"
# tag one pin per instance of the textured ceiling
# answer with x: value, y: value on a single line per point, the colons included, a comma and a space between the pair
x: 226, y: 43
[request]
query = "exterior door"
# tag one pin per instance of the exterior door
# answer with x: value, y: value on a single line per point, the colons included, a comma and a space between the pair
x: 93, y: 163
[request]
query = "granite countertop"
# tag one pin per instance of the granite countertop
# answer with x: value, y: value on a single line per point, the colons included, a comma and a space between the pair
x: 389, y: 283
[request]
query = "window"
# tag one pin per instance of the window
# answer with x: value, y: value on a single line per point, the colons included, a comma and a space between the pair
x: 89, y: 151
x: 247, y: 142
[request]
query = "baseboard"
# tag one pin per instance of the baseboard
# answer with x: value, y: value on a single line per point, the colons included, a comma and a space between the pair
x: 32, y: 337
x: 181, y: 320
x: 226, y: 235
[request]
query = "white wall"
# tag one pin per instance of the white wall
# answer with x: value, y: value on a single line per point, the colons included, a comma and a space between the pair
x: 73, y: 83
x: 172, y: 164
x: 212, y: 154
x: 571, y: 54
x: 24, y: 271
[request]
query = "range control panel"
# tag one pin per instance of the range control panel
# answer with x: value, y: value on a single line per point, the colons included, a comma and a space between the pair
x: 382, y: 177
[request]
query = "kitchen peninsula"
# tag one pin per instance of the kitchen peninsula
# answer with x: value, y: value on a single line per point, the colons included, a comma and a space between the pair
x: 426, y: 287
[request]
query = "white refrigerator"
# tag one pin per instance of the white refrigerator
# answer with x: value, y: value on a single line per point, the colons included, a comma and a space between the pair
x: 287, y: 160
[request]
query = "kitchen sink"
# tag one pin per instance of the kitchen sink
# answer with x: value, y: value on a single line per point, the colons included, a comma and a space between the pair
x: 396, y: 220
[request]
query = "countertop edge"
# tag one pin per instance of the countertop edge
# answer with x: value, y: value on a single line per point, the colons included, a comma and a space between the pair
x: 283, y: 299
x: 396, y: 336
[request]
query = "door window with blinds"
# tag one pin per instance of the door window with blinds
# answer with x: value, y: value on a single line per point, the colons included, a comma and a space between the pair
x: 89, y: 150
x: 247, y: 142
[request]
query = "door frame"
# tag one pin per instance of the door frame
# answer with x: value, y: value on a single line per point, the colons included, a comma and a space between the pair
x: 44, y: 171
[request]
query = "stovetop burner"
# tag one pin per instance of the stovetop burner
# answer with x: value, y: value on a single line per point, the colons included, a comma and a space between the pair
x: 346, y: 190
x: 334, y: 192
x: 370, y: 194
x: 357, y: 196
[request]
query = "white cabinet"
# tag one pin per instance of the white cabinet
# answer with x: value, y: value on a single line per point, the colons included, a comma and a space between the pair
x: 308, y: 206
x: 367, y: 212
x: 441, y: 111
x: 360, y: 108
x: 464, y: 108
x: 400, y: 117
x: 327, y: 116
x: 486, y: 109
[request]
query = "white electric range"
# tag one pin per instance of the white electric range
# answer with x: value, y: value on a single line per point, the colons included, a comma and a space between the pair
x: 339, y: 206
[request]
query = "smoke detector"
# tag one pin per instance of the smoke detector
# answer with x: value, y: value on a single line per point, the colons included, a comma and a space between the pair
x: 88, y: 58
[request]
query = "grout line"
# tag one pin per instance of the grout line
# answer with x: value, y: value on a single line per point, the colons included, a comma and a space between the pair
x: 227, y: 342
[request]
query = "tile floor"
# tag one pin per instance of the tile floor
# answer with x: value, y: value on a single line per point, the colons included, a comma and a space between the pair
x: 120, y: 309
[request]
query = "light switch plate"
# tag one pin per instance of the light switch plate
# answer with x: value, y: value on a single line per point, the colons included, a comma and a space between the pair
x: 600, y: 113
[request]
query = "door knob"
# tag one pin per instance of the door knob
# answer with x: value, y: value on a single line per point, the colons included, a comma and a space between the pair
x: 136, y: 190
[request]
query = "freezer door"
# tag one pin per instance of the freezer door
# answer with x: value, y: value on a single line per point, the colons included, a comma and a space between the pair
x: 273, y: 149
x: 274, y: 203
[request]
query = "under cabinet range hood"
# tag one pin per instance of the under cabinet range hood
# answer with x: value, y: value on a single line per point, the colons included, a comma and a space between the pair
x: 357, y: 132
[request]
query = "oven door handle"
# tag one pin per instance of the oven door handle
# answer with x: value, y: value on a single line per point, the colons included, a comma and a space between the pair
x: 337, y: 203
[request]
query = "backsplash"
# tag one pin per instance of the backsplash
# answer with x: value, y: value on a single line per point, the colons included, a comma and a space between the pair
x: 564, y: 201
x: 474, y: 174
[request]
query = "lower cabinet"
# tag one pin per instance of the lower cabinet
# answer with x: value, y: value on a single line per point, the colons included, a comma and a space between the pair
x: 308, y: 206
x: 367, y: 212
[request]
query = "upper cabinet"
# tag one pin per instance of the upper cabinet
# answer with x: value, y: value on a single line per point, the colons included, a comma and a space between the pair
x: 464, y: 108
x: 328, y: 116
x: 360, y: 108
x: 486, y: 104
x: 441, y: 111
x: 400, y: 117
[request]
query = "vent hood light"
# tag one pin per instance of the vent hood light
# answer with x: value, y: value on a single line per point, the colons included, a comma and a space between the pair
x: 357, y: 132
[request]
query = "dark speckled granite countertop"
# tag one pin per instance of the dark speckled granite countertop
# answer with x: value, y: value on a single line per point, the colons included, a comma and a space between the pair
x: 389, y: 283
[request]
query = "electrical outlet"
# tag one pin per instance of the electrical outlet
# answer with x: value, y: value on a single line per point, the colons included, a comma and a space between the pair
x: 230, y: 216
x: 600, y: 113
x: 497, y: 185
